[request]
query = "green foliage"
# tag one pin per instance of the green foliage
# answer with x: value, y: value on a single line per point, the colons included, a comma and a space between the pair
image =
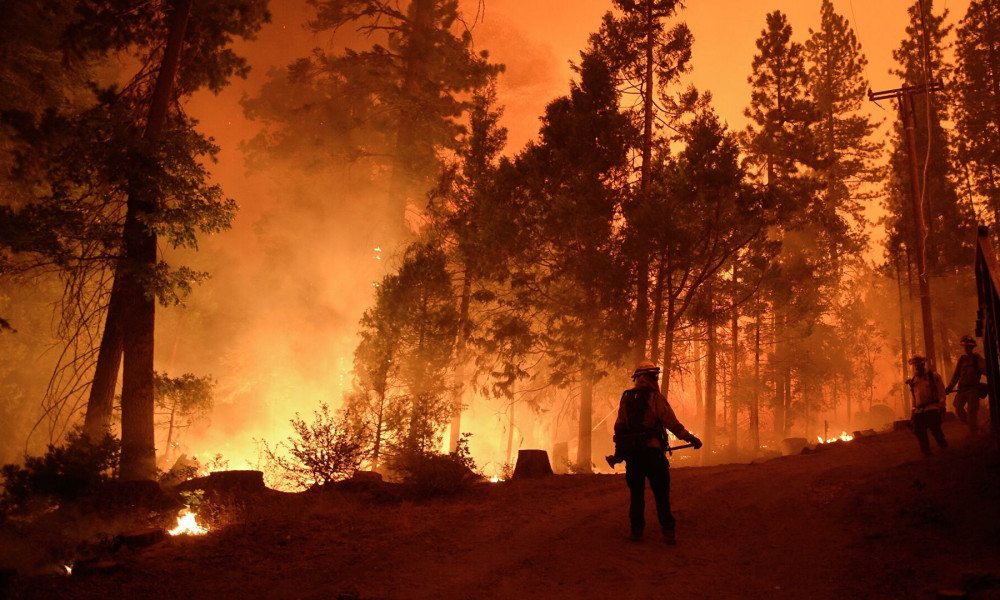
x: 574, y: 272
x: 844, y: 135
x: 32, y: 73
x: 395, y: 102
x: 193, y: 499
x: 63, y: 474
x: 976, y: 107
x: 330, y: 448
x: 208, y: 61
x: 625, y: 39
x: 778, y: 138
x: 81, y: 161
x: 407, y: 340
x: 184, y: 396
x: 83, y: 166
x: 429, y: 474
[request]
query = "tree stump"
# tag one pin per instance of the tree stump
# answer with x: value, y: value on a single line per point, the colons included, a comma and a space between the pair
x: 532, y: 463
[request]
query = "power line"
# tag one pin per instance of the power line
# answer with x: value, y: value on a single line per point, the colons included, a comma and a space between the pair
x: 857, y: 28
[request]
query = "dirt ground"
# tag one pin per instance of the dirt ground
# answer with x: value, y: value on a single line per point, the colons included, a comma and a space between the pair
x: 865, y: 519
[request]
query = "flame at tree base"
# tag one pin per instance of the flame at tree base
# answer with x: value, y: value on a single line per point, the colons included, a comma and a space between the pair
x: 187, y: 524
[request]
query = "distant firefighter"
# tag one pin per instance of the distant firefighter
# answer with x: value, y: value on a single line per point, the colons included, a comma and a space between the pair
x: 641, y: 441
x: 968, y: 372
x: 927, y: 391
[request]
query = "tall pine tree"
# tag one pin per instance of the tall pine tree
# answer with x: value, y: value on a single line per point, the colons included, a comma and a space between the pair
x: 976, y: 101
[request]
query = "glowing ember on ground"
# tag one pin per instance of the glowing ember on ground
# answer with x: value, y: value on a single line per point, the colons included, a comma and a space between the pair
x: 187, y: 524
x: 69, y: 569
x: 844, y: 437
x: 495, y: 479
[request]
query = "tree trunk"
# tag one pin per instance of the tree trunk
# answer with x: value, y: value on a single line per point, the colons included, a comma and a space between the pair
x: 710, y: 388
x: 416, y: 434
x: 379, y: 426
x: 699, y: 395
x: 779, y: 380
x: 170, y: 431
x: 410, y: 143
x: 834, y: 394
x: 583, y: 454
x: 787, y: 376
x: 138, y: 454
x: 807, y: 421
x: 946, y: 365
x: 668, y: 347
x: 755, y: 407
x: 654, y: 341
x: 510, y: 430
x: 100, y: 403
x: 904, y: 405
x: 642, y: 270
x: 847, y: 389
x: 734, y: 373
x: 460, y: 374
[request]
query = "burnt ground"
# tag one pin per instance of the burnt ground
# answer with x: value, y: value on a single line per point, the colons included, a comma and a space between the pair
x: 866, y: 519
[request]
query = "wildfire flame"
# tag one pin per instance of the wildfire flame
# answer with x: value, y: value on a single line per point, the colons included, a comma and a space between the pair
x: 187, y: 524
x: 844, y: 437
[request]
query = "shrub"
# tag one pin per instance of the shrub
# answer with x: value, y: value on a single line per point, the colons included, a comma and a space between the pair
x: 63, y: 473
x: 328, y: 449
x: 429, y: 474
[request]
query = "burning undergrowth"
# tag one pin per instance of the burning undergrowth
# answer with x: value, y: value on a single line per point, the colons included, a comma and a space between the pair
x: 63, y: 516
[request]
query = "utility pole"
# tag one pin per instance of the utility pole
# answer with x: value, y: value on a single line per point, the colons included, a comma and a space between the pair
x: 907, y: 115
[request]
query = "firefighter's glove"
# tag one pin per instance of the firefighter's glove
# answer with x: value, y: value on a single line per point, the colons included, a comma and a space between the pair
x: 695, y: 442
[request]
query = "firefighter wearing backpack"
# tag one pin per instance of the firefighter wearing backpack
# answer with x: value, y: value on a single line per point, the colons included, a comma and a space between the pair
x: 641, y: 441
x: 970, y: 369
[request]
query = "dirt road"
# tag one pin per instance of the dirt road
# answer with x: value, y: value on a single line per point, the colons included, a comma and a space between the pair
x: 865, y: 519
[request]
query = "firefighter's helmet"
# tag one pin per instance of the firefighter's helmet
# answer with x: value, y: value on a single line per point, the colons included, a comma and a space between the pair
x: 917, y: 359
x: 968, y: 340
x: 646, y: 367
